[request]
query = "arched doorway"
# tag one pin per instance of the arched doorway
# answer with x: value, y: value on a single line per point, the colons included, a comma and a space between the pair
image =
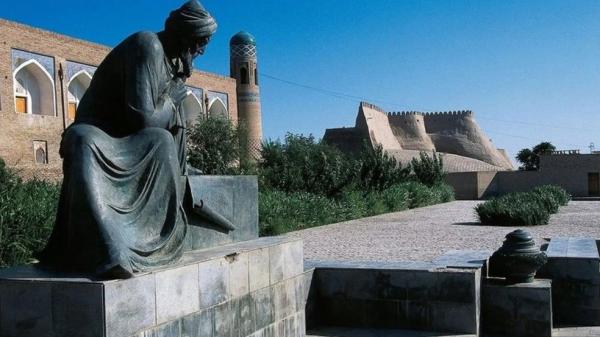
x: 33, y: 89
x: 192, y: 109
x: 216, y: 108
x: 78, y: 85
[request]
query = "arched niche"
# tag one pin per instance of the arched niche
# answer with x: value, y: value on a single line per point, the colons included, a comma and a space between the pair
x: 216, y: 108
x: 78, y: 85
x: 33, y: 89
x: 192, y: 109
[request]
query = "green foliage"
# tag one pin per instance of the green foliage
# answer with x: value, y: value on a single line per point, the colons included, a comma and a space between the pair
x: 27, y: 213
x: 282, y: 212
x: 558, y: 193
x: 428, y: 170
x: 214, y: 146
x: 301, y: 164
x: 377, y: 170
x: 530, y: 159
x: 523, y: 208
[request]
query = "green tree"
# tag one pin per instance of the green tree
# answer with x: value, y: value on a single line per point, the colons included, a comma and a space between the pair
x: 429, y: 170
x: 301, y: 163
x: 377, y: 170
x: 214, y: 146
x: 530, y: 158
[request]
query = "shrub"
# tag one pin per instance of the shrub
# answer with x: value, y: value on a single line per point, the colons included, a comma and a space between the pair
x: 396, y: 198
x: 428, y: 170
x: 214, y: 146
x: 27, y: 213
x: 558, y: 193
x: 282, y: 212
x: 377, y: 170
x: 302, y: 164
x: 523, y: 208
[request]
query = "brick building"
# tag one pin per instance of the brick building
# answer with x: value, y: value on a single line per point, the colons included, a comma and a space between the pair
x: 43, y: 75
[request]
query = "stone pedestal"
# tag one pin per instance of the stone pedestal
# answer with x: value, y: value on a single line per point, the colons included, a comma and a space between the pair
x: 394, y: 295
x: 516, y: 310
x: 251, y: 288
x: 574, y: 267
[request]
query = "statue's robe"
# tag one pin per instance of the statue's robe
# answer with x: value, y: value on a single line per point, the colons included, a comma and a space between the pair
x: 120, y: 207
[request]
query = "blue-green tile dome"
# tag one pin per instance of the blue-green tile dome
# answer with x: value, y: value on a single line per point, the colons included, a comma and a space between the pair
x: 242, y: 38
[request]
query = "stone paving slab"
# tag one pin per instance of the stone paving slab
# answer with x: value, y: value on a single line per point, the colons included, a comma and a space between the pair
x: 577, y: 248
x: 346, y: 332
x: 423, y: 234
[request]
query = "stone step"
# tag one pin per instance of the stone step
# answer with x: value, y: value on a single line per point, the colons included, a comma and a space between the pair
x: 572, y: 259
x: 398, y: 295
x: 349, y: 332
x: 464, y: 259
x: 574, y: 268
x: 574, y: 248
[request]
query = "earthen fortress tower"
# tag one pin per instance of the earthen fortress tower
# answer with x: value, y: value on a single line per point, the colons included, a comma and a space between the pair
x: 404, y: 134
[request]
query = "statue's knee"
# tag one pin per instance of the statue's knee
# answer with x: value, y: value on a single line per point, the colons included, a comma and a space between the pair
x: 77, y: 138
x: 160, y: 136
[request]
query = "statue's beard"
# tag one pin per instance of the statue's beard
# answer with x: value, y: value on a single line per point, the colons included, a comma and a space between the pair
x: 187, y: 64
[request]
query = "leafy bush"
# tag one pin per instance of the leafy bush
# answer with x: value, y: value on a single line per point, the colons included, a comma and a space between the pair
x: 214, y: 146
x: 302, y: 164
x: 282, y: 212
x: 558, y: 193
x: 377, y: 170
x: 523, y: 208
x: 428, y: 170
x: 27, y: 213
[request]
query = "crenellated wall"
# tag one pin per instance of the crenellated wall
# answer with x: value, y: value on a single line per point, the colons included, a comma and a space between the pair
x: 409, y: 129
x: 453, y: 132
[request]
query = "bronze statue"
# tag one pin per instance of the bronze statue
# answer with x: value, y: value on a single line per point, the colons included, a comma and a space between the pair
x: 121, y: 204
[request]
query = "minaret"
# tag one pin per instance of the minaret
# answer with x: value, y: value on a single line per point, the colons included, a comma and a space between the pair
x: 243, y: 67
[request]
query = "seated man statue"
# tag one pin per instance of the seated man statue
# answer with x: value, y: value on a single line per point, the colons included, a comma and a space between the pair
x: 120, y: 208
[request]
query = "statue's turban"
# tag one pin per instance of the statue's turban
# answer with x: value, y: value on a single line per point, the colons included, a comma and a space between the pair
x: 191, y: 19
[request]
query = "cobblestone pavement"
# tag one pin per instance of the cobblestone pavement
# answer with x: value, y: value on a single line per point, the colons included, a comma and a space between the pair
x: 425, y: 233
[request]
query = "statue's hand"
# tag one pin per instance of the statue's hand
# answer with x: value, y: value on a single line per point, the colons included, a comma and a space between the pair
x: 177, y: 91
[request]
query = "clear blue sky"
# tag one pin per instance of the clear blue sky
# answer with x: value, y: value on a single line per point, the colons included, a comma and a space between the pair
x: 530, y: 70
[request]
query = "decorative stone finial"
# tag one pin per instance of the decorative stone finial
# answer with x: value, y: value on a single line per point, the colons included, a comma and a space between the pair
x: 518, y: 259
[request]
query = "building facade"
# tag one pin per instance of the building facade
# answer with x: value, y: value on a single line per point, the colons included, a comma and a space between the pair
x: 578, y: 174
x: 43, y: 75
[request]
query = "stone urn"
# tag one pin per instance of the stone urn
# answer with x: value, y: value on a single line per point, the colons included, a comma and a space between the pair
x: 518, y: 259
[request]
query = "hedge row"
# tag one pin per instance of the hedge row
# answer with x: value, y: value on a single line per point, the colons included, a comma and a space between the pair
x: 282, y: 212
x: 523, y: 208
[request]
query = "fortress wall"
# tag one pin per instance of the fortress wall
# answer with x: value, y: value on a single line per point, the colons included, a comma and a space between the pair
x: 372, y: 122
x: 409, y: 129
x: 505, y: 155
x: 459, y: 133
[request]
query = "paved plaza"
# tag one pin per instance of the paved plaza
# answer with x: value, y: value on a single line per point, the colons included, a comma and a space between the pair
x: 425, y: 233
